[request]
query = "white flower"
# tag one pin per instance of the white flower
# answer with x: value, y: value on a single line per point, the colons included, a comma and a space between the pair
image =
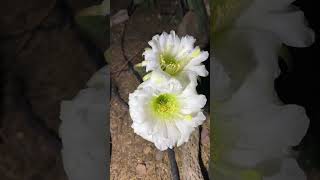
x: 281, y: 18
x: 166, y: 113
x: 236, y: 20
x: 252, y: 129
x: 175, y: 57
x: 83, y: 130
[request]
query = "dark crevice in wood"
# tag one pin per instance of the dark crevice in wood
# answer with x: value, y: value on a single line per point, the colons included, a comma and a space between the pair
x: 203, y: 169
x: 130, y: 64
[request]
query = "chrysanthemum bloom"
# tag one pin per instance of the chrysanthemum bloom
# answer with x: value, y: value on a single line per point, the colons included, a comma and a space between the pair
x: 252, y: 129
x: 166, y: 113
x: 175, y: 57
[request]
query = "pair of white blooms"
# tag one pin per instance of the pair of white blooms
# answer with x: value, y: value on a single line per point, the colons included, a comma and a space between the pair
x: 253, y: 130
x: 166, y: 107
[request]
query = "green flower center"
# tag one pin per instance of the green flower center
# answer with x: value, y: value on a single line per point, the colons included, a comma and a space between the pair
x: 165, y: 106
x: 172, y: 66
x: 169, y: 64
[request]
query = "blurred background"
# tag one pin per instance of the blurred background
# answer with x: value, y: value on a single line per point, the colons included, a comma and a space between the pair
x: 298, y: 84
x: 45, y: 58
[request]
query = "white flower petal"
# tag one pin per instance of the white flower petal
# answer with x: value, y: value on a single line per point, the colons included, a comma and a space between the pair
x: 198, y: 119
x: 289, y: 170
x: 183, y: 53
x: 247, y: 158
x: 220, y: 82
x: 289, y: 25
x: 192, y: 103
x: 199, y: 70
x: 83, y: 129
x: 252, y: 125
x: 198, y: 59
x: 165, y: 133
x: 185, y: 129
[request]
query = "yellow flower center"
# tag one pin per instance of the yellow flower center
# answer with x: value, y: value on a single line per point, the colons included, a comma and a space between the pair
x: 172, y: 66
x: 165, y: 106
x: 169, y: 64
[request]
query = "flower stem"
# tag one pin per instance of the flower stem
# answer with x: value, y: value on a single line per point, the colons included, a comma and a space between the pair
x: 173, y: 165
